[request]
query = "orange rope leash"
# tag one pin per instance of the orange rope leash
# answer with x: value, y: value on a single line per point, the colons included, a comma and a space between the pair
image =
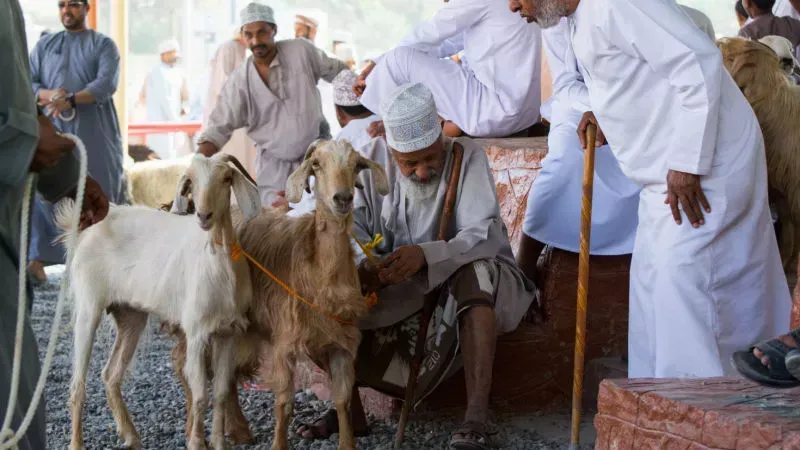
x: 371, y: 299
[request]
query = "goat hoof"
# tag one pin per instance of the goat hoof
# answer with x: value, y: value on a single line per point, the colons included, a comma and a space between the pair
x: 74, y: 446
x: 276, y: 446
x: 197, y: 444
x: 241, y: 435
x: 219, y: 443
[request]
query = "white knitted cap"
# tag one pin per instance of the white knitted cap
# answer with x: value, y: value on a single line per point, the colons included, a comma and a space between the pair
x: 168, y: 46
x: 343, y: 94
x: 256, y: 12
x: 410, y: 118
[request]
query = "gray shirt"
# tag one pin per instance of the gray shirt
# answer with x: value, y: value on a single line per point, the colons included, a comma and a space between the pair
x: 86, y: 60
x: 770, y: 25
x: 282, y: 116
x: 477, y: 233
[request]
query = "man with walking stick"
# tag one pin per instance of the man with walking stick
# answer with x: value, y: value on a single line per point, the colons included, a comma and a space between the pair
x: 480, y: 292
x: 706, y: 278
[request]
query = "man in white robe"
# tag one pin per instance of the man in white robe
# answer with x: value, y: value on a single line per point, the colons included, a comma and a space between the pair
x: 553, y: 211
x: 164, y: 94
x: 494, y: 92
x: 483, y: 292
x: 274, y: 96
x: 230, y: 55
x: 790, y: 8
x: 706, y: 278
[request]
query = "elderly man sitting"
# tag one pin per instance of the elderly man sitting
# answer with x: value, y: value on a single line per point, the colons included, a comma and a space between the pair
x: 481, y: 291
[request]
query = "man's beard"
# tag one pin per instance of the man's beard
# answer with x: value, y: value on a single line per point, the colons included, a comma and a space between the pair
x: 416, y: 189
x: 550, y: 12
x: 74, y: 22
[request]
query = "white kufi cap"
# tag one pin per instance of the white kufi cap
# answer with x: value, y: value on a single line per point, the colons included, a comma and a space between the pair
x: 256, y: 12
x: 343, y: 94
x: 410, y: 118
x: 168, y: 46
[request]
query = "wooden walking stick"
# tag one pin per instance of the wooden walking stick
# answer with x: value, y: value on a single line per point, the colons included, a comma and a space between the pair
x: 583, y: 284
x: 431, y: 299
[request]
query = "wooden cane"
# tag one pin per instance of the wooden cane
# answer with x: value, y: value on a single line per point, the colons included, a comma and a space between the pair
x: 583, y: 285
x: 431, y: 299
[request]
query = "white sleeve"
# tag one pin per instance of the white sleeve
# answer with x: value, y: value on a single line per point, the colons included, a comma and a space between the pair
x: 454, y: 17
x: 568, y: 85
x: 661, y: 35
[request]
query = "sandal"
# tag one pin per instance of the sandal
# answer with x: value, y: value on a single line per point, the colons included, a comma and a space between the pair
x: 778, y: 373
x: 474, y: 436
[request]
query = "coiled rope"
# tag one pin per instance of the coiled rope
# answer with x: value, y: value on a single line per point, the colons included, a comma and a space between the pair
x: 8, y: 437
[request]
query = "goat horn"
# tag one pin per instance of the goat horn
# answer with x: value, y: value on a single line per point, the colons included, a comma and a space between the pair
x: 232, y: 159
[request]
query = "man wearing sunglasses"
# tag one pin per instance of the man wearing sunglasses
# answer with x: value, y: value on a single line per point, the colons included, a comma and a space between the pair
x: 74, y: 74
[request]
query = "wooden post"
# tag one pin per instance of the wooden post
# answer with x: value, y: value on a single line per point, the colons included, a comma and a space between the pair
x: 119, y: 33
x: 583, y: 285
x: 93, y: 14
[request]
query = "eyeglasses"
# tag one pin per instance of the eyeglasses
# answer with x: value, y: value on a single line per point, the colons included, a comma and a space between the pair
x: 62, y: 5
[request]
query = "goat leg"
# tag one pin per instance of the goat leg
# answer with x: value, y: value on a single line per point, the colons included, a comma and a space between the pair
x: 283, y: 365
x: 130, y: 324
x: 87, y: 320
x: 343, y: 376
x: 196, y: 375
x: 236, y: 425
x: 224, y: 359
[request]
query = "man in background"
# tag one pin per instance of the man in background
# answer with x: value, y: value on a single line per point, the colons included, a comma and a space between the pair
x: 29, y: 143
x: 305, y: 28
x: 164, y: 94
x: 75, y: 73
x: 765, y: 23
x: 274, y: 96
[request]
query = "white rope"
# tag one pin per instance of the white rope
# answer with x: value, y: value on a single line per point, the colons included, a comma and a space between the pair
x: 8, y: 437
x: 57, y: 112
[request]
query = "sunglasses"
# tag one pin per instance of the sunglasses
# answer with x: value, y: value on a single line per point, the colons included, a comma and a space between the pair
x: 62, y: 5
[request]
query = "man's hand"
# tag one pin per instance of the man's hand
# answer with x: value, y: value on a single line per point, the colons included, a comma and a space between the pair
x: 52, y: 146
x: 207, y: 149
x: 685, y: 187
x: 361, y: 81
x: 376, y: 129
x: 368, y: 276
x: 281, y: 202
x: 61, y: 105
x: 95, y: 203
x: 588, y: 117
x: 402, y: 264
x: 46, y: 95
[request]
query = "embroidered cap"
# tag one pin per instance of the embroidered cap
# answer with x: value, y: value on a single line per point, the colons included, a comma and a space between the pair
x: 305, y: 20
x: 343, y: 94
x: 410, y: 118
x: 256, y: 12
x: 169, y: 45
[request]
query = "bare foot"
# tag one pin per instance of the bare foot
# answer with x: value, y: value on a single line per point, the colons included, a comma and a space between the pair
x: 36, y: 268
x: 786, y: 339
x: 328, y: 425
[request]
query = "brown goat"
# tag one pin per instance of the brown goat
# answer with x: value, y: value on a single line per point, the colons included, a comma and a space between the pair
x: 757, y: 71
x: 312, y: 254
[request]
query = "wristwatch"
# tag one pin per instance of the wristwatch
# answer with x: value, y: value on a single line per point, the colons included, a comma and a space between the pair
x: 71, y: 99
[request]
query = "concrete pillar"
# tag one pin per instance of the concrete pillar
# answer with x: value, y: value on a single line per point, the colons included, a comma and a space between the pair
x: 119, y: 33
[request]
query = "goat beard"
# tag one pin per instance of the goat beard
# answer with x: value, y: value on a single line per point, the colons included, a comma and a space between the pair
x: 550, y: 12
x: 416, y: 189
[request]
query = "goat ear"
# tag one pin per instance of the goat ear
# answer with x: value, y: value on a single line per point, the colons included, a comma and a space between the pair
x: 378, y: 174
x: 180, y: 204
x: 298, y: 182
x: 312, y: 147
x: 246, y: 195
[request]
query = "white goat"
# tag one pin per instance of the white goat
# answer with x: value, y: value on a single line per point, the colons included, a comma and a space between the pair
x: 152, y: 183
x: 141, y: 261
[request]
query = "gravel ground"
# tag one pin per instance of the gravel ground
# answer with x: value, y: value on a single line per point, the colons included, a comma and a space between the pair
x: 156, y: 401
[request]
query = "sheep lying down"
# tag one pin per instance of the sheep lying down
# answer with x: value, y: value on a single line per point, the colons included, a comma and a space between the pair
x: 140, y: 261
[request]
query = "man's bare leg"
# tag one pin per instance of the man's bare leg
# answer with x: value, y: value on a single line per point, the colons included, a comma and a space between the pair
x: 527, y: 259
x: 478, y: 337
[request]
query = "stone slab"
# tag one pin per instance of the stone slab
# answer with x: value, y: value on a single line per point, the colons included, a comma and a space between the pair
x: 712, y: 413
